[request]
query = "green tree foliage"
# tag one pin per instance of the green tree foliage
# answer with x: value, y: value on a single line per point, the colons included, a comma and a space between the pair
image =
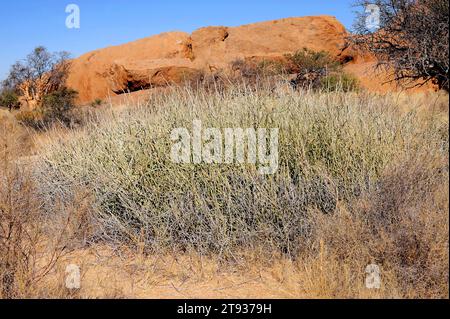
x: 9, y: 99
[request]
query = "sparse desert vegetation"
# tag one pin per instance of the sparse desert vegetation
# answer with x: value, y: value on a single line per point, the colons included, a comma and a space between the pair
x: 105, y: 193
x: 361, y: 180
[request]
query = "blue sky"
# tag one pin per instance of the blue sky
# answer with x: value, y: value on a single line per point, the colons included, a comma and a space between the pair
x: 25, y: 24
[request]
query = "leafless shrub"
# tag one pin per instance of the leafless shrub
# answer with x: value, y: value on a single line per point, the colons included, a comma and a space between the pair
x: 28, y: 250
x: 402, y: 226
x: 412, y: 40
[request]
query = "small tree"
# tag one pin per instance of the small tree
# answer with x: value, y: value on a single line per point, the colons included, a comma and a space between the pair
x: 9, y: 99
x: 57, y: 106
x: 411, y: 41
x: 311, y: 67
x: 41, y: 73
x: 311, y: 61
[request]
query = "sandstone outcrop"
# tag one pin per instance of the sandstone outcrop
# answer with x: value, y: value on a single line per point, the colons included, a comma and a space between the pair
x: 174, y: 56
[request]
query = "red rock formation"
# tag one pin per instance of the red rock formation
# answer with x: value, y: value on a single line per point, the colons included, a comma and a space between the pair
x: 171, y: 57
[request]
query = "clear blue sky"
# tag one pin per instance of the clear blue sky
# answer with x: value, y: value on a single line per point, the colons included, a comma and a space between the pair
x: 25, y: 24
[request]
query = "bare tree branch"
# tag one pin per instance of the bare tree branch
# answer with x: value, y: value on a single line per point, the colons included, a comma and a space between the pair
x: 411, y: 42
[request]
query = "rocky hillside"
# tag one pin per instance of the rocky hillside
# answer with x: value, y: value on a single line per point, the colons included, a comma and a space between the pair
x: 170, y: 57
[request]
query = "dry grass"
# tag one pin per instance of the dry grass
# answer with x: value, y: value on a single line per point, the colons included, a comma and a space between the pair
x: 109, y: 274
x: 29, y: 248
x: 362, y: 179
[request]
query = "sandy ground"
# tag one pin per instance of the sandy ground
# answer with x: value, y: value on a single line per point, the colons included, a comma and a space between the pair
x: 109, y: 274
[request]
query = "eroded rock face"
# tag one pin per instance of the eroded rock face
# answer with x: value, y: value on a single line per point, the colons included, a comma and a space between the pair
x: 174, y: 56
x: 112, y: 70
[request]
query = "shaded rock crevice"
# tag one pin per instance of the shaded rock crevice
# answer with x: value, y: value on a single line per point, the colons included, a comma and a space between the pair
x: 128, y: 81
